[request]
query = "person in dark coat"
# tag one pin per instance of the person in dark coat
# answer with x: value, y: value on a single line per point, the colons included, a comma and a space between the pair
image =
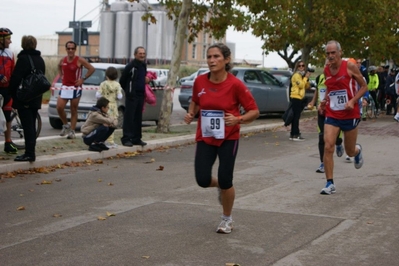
x: 27, y: 111
x: 133, y: 82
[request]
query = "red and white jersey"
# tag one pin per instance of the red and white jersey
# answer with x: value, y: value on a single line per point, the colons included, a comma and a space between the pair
x: 71, y: 72
x: 226, y: 96
x: 7, y: 64
x: 341, y: 88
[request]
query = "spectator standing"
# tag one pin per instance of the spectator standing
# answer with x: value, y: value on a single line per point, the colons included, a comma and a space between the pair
x: 396, y: 117
x: 373, y: 85
x: 341, y: 109
x: 133, y: 82
x: 112, y: 91
x: 299, y: 83
x: 7, y: 64
x: 27, y: 111
x: 70, y: 70
x: 382, y: 73
x: 218, y: 96
x: 390, y: 92
x: 98, y: 126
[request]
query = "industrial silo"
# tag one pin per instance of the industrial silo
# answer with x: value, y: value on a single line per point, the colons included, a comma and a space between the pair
x: 138, y: 35
x: 155, y: 37
x: 107, y: 37
x: 122, y: 36
x: 169, y: 37
x: 119, y: 5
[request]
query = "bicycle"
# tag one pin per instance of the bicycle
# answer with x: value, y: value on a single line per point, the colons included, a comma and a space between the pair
x: 17, y: 132
x: 371, y: 110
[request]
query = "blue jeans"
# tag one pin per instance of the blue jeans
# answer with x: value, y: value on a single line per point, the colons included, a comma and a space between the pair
x: 99, y: 134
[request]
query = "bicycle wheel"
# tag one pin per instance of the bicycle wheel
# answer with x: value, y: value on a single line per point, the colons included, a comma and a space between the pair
x: 370, y: 109
x: 17, y: 132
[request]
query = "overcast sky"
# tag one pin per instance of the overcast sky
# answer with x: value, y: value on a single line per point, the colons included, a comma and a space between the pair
x: 45, y: 17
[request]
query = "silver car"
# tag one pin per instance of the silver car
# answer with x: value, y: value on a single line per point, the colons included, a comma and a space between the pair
x: 270, y: 94
x: 88, y: 99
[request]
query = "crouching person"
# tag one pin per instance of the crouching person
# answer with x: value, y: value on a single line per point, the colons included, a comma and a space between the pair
x: 98, y: 126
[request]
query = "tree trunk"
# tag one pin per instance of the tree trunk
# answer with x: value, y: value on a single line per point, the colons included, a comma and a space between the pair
x: 181, y: 37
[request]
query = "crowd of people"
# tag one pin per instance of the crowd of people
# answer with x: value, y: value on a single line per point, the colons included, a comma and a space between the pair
x: 102, y: 119
x: 217, y: 99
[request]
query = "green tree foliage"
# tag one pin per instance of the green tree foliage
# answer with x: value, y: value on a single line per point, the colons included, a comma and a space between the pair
x: 365, y: 29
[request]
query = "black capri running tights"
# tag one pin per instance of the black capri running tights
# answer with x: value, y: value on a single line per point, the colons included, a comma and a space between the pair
x: 205, y: 157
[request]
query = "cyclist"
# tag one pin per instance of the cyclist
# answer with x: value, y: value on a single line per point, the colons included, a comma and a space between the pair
x: 7, y: 63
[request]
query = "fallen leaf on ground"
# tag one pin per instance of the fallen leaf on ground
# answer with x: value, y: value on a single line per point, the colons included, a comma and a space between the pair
x: 160, y: 168
x: 110, y: 184
x: 100, y: 218
x: 46, y: 182
x: 21, y: 208
x: 145, y: 257
x: 99, y: 180
x: 110, y: 214
x: 57, y: 215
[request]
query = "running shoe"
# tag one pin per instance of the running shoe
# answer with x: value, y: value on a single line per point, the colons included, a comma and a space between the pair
x: 65, y: 130
x: 95, y: 147
x: 111, y: 145
x: 71, y: 134
x: 102, y: 146
x: 298, y: 138
x: 320, y: 169
x: 348, y: 159
x: 358, y: 158
x: 9, y: 147
x: 396, y: 118
x: 339, y: 150
x: 328, y: 189
x: 225, y: 227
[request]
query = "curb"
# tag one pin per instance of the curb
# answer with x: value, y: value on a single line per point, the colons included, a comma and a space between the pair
x: 80, y: 156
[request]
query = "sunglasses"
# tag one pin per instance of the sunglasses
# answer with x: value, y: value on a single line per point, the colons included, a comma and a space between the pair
x: 71, y: 49
x: 301, y: 65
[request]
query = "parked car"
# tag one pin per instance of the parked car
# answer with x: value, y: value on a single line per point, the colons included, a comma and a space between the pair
x: 270, y: 94
x: 285, y: 77
x: 162, y: 76
x: 193, y: 76
x: 88, y: 99
x: 186, y: 88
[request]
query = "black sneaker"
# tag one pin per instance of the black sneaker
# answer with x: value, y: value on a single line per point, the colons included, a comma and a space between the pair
x: 102, y: 146
x: 9, y: 147
x: 95, y: 147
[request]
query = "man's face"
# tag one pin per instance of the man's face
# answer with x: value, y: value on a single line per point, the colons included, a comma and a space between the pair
x: 140, y: 55
x: 5, y: 42
x: 332, y: 53
x: 70, y: 49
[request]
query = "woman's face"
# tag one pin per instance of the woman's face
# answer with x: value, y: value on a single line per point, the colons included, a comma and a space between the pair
x: 216, y: 61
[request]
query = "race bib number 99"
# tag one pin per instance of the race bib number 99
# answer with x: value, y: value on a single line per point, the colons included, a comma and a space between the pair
x: 212, y: 124
x: 338, y: 99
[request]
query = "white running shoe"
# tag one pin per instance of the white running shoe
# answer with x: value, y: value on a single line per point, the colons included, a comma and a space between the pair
x: 225, y: 227
x: 65, y: 130
x: 328, y: 189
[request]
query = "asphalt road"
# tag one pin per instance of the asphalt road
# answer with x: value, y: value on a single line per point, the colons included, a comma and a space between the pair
x: 163, y: 218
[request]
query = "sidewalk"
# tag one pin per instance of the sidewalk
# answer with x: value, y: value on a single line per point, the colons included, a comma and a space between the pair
x: 55, y: 151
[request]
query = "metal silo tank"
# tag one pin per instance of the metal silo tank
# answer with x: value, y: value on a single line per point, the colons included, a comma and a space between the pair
x: 107, y: 35
x: 169, y: 37
x: 138, y: 33
x: 155, y: 37
x: 122, y: 35
x: 120, y: 5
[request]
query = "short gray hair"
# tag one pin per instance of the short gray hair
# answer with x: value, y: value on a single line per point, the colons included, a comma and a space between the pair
x: 336, y: 44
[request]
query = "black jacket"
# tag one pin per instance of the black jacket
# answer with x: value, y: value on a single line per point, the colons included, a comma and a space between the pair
x: 133, y: 79
x: 23, y: 69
